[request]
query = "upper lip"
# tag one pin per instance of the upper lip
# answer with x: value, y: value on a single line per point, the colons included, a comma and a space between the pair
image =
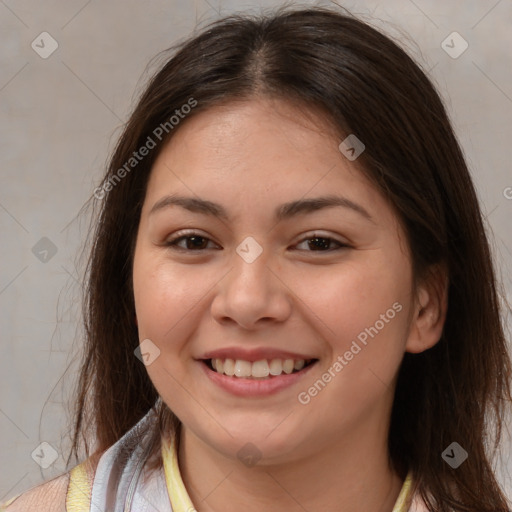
x: 255, y: 354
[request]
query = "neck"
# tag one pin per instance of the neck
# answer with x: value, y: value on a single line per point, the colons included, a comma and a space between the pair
x: 351, y: 476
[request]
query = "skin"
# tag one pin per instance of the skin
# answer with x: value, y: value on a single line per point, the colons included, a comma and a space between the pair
x: 331, y: 454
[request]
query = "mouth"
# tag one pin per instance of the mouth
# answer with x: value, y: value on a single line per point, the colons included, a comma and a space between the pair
x: 263, y: 369
x: 255, y: 372
x: 255, y: 379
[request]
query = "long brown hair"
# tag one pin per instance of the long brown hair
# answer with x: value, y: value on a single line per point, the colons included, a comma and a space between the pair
x: 363, y: 83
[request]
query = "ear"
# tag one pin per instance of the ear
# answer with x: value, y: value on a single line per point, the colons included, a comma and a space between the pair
x: 429, y: 314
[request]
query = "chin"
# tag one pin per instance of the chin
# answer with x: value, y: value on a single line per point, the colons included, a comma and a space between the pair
x: 260, y: 446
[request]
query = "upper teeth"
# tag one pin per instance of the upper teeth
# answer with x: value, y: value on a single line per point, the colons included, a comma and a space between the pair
x: 258, y: 369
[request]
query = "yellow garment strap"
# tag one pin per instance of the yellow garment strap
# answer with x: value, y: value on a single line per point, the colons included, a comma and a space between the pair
x: 180, y: 500
x: 404, y: 499
x: 7, y: 503
x: 78, y: 498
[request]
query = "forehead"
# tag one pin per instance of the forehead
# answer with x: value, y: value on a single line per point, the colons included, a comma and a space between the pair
x: 254, y: 153
x: 258, y: 128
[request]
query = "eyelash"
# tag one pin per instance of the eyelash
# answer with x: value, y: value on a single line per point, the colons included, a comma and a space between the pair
x: 172, y: 244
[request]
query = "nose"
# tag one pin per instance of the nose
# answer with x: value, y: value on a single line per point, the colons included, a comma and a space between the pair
x: 252, y: 294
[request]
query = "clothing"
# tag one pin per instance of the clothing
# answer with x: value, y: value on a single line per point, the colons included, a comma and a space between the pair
x: 122, y: 481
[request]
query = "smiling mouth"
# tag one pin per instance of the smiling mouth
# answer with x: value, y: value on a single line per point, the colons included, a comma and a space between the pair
x: 257, y: 370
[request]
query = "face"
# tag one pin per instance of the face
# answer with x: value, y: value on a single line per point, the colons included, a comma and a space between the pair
x: 240, y: 267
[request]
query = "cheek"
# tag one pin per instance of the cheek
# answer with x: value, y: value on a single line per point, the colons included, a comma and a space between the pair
x: 156, y: 294
x: 166, y: 295
x: 364, y: 321
x: 363, y: 318
x: 347, y: 299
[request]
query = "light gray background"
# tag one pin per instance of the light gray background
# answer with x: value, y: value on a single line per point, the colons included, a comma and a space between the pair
x: 62, y: 115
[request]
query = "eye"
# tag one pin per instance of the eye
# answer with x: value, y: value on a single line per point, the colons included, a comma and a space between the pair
x: 322, y: 244
x: 194, y: 241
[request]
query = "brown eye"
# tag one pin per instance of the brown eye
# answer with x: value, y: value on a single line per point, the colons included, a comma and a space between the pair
x: 322, y: 244
x: 195, y: 242
x: 192, y: 242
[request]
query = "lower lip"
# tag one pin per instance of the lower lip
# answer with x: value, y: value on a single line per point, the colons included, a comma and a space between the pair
x: 254, y: 387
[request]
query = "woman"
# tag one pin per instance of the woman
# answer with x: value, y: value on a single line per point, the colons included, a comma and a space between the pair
x: 291, y: 300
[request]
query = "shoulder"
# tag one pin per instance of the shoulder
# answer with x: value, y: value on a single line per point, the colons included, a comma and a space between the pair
x: 47, y: 497
x: 52, y: 496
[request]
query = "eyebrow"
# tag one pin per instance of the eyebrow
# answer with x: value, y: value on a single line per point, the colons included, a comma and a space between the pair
x: 283, y: 212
